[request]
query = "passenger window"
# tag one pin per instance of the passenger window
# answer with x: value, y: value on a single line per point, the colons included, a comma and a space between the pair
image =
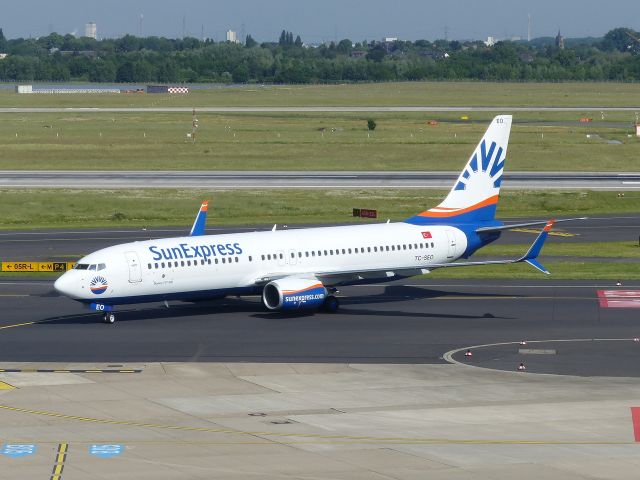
x: 269, y: 256
x: 250, y: 259
x: 431, y: 244
x: 404, y: 247
x: 319, y: 253
x: 299, y: 254
x: 209, y: 260
x: 156, y: 266
x: 375, y: 249
x: 393, y: 247
x: 344, y: 251
x: 387, y: 247
x: 216, y: 261
x: 306, y: 254
x: 188, y: 263
x: 293, y: 255
x: 313, y: 254
x: 149, y: 266
x: 281, y: 256
x: 410, y: 246
x: 355, y: 250
x: 325, y: 253
x: 162, y: 264
x: 263, y: 258
x: 237, y: 259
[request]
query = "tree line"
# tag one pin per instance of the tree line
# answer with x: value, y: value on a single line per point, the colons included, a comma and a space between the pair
x: 131, y: 59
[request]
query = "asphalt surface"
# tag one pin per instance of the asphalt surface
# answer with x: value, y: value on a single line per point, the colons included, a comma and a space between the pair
x: 413, y: 321
x: 63, y: 245
x: 309, y: 179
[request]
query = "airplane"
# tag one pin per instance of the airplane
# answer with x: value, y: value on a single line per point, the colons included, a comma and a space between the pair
x: 299, y: 269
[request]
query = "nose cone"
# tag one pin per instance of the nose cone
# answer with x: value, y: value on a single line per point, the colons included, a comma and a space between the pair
x: 64, y: 285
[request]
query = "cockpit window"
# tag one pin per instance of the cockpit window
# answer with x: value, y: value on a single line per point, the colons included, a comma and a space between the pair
x: 82, y: 266
x: 92, y: 267
x: 101, y: 266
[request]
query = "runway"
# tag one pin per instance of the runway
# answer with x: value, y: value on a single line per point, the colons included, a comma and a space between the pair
x: 308, y: 179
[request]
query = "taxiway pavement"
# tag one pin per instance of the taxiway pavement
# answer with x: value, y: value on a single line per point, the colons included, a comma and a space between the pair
x: 308, y: 179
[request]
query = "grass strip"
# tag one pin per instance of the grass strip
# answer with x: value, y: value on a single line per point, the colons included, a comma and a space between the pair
x: 80, y: 208
x: 328, y: 142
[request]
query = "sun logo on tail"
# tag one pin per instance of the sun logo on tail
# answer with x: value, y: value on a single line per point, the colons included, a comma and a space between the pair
x: 481, y: 173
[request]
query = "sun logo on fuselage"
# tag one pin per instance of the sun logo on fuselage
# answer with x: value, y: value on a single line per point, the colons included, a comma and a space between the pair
x: 98, y: 285
x: 485, y: 171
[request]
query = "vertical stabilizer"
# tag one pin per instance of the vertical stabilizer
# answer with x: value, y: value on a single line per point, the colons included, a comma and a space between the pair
x: 474, y: 196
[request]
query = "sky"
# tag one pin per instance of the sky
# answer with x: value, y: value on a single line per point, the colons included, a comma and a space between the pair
x: 321, y: 20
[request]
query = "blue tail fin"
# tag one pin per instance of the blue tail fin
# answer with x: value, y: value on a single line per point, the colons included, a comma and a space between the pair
x: 474, y: 196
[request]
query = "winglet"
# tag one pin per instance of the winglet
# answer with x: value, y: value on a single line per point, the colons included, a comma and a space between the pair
x: 200, y: 222
x: 536, y: 247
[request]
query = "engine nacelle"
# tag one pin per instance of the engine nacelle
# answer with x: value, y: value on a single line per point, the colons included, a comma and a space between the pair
x: 293, y: 294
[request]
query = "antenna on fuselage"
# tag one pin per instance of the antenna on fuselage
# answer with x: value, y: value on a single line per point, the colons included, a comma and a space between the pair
x: 274, y: 227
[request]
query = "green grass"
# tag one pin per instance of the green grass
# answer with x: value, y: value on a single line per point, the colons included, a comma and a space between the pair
x: 402, y: 141
x: 370, y: 94
x: 76, y: 208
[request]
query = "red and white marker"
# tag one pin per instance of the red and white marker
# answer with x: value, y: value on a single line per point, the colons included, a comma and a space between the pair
x: 521, y: 367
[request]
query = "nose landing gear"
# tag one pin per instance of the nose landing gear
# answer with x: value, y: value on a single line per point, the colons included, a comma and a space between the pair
x: 109, y: 317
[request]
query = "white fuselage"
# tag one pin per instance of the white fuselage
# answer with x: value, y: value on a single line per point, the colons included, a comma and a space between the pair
x: 185, y: 268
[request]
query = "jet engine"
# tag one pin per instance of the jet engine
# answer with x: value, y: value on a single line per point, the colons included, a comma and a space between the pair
x: 292, y: 293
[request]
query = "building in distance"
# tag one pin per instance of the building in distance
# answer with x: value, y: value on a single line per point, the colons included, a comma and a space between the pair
x: 232, y: 36
x: 91, y: 30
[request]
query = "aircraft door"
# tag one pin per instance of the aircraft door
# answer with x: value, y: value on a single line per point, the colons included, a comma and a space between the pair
x: 451, y: 243
x: 135, y: 270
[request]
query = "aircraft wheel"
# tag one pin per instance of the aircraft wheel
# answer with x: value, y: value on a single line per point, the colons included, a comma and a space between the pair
x: 109, y: 318
x: 331, y: 304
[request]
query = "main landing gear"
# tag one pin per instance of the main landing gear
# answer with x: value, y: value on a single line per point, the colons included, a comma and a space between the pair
x: 330, y: 305
x: 109, y: 317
